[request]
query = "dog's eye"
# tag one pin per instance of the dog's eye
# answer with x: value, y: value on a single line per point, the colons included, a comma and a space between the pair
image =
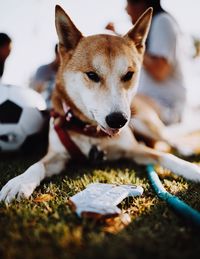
x: 93, y: 76
x: 127, y: 76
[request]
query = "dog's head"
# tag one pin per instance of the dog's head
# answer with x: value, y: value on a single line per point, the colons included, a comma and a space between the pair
x: 99, y: 73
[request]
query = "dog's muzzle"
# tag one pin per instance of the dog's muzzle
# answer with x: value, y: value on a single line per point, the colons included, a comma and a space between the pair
x: 116, y: 120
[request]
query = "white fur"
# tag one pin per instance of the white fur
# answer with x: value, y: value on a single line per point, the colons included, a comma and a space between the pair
x: 115, y: 97
x: 23, y: 185
x: 54, y: 141
x: 181, y: 167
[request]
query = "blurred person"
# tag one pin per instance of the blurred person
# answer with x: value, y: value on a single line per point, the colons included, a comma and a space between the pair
x: 5, y: 48
x: 44, y: 79
x: 162, y: 78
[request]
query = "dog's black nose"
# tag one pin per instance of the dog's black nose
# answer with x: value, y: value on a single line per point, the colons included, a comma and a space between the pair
x: 116, y: 120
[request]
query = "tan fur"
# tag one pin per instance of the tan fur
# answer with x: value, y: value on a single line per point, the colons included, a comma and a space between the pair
x: 105, y: 46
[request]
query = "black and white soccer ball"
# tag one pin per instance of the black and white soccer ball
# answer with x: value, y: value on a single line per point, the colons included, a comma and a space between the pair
x: 22, y: 116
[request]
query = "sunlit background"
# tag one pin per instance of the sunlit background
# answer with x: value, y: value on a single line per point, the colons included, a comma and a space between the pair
x: 30, y: 24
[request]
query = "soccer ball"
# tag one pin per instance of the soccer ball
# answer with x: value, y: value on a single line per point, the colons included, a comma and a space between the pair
x: 22, y: 116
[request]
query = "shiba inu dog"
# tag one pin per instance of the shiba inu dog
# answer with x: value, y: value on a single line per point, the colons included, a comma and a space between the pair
x: 94, y: 106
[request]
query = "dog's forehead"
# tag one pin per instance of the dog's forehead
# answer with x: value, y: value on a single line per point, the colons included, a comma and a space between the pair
x: 106, y: 51
x: 109, y: 43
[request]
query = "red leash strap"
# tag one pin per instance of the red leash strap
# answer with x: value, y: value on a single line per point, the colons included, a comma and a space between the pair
x: 71, y: 147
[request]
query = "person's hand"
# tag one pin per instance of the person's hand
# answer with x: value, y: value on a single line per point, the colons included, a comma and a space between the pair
x: 110, y: 26
x: 158, y: 67
x: 40, y: 87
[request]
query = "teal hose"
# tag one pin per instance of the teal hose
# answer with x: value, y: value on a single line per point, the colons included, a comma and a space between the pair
x: 192, y: 215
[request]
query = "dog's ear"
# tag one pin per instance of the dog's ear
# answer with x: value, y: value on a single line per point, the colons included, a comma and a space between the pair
x: 140, y: 30
x: 68, y: 34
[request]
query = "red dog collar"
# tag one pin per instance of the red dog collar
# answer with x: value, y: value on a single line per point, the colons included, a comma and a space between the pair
x: 62, y: 124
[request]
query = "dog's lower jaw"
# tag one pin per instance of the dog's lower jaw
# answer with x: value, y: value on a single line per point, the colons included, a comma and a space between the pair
x: 111, y: 132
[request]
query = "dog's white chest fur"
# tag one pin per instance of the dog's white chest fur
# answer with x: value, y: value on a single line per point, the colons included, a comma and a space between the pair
x: 124, y: 140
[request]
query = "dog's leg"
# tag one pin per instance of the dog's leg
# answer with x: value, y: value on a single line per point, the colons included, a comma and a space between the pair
x: 128, y: 147
x: 145, y: 119
x: 22, y: 186
x: 185, y: 136
x: 145, y: 155
x: 147, y: 123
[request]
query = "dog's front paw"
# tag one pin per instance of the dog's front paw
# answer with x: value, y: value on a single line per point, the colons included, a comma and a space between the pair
x: 18, y: 187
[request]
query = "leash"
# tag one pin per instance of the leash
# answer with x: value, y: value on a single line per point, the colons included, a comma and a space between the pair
x: 179, y: 206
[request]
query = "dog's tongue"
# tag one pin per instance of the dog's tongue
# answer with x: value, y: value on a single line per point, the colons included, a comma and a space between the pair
x: 113, y: 132
x: 110, y: 132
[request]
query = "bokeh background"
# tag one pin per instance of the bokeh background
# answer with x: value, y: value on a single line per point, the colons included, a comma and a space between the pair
x: 30, y: 24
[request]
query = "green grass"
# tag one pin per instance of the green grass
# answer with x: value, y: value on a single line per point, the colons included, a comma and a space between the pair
x: 30, y: 229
